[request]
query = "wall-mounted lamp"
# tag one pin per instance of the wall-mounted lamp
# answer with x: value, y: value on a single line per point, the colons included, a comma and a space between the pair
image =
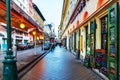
x: 37, y: 38
x: 22, y: 25
x: 34, y: 32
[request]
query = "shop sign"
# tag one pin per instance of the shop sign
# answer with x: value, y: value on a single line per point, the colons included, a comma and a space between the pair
x: 79, y: 9
x: 19, y: 37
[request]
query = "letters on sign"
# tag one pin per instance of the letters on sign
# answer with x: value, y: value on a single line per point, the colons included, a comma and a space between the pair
x: 79, y: 9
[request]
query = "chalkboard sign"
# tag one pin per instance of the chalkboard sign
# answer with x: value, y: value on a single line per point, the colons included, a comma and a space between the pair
x: 98, y: 60
x: 101, y: 60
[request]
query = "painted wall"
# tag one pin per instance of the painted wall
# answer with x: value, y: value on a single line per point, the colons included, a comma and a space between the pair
x: 25, y: 5
x: 38, y: 19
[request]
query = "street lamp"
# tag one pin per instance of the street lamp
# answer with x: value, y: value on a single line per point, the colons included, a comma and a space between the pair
x: 9, y: 63
x: 34, y: 33
x: 42, y: 38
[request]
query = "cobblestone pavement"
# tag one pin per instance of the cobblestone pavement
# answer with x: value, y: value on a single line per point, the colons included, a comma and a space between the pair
x: 60, y: 64
x: 23, y: 58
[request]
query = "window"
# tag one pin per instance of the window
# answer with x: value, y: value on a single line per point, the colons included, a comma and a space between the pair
x: 104, y: 32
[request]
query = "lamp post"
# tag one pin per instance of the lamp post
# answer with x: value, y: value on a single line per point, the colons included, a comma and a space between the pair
x: 43, y: 42
x: 34, y: 33
x: 42, y: 38
x: 9, y: 63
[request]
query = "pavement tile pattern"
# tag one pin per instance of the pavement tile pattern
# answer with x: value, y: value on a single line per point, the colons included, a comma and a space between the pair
x: 60, y: 64
x: 23, y: 58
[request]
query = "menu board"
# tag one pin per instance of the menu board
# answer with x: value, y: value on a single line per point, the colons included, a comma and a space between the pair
x: 101, y: 61
x: 98, y: 60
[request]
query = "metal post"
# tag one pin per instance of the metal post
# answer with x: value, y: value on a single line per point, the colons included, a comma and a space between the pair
x: 9, y: 63
x: 35, y: 44
x: 43, y: 42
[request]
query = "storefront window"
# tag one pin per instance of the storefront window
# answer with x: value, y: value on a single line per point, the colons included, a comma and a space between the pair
x: 104, y: 31
x: 92, y: 42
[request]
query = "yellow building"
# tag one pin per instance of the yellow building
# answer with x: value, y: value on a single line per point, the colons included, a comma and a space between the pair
x: 68, y: 8
x: 93, y: 32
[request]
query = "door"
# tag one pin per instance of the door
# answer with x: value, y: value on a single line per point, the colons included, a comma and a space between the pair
x: 92, y: 42
x: 104, y: 42
x: 113, y: 42
x: 75, y: 41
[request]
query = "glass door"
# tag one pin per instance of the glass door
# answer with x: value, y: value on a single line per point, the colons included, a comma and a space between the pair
x: 104, y: 41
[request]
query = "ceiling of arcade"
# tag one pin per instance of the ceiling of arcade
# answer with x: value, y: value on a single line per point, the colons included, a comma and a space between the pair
x: 16, y: 19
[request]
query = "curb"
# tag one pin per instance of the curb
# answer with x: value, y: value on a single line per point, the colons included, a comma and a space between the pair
x: 30, y: 65
x: 26, y: 65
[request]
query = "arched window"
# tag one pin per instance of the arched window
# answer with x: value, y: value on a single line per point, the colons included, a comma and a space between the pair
x: 85, y: 15
x: 100, y: 3
x: 77, y: 24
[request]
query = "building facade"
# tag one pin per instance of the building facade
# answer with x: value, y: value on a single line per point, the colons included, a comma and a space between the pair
x: 25, y: 5
x: 39, y: 19
x: 68, y: 8
x: 92, y: 33
x: 21, y: 12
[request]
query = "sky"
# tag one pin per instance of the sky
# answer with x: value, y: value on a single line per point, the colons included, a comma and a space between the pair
x: 51, y: 10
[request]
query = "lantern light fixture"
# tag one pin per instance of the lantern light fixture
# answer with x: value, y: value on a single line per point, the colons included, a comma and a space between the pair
x: 22, y: 25
x: 34, y: 32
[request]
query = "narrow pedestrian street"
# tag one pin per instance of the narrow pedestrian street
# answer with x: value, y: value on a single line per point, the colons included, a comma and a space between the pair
x: 60, y: 64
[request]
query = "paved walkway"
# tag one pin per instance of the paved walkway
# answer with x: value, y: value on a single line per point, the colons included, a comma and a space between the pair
x: 60, y: 65
x: 23, y: 58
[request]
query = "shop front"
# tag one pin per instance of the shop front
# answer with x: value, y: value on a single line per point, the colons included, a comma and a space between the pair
x: 104, y: 53
x: 99, y: 39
